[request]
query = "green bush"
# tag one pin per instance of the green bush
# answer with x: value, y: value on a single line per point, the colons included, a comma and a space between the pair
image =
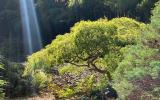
x: 17, y: 85
x: 2, y: 82
x: 92, y: 46
x: 124, y: 88
x: 139, y: 61
x: 40, y: 79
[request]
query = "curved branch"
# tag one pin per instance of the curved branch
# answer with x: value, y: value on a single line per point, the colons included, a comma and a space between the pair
x: 83, y: 65
x: 95, y: 68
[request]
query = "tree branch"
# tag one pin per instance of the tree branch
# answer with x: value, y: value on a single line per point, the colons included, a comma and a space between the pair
x: 95, y: 68
x: 83, y: 65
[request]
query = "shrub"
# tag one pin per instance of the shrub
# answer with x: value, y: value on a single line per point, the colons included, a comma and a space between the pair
x: 2, y: 82
x: 91, y: 46
x: 17, y: 85
x: 140, y: 65
x: 40, y: 79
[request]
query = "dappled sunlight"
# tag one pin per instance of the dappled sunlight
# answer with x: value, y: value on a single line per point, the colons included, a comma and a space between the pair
x: 31, y: 32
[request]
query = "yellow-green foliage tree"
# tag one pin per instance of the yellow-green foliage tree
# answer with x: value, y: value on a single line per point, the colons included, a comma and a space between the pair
x: 141, y: 65
x: 89, y: 44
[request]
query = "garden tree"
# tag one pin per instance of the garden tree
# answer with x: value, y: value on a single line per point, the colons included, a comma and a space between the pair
x: 141, y: 65
x: 128, y: 33
x: 89, y: 45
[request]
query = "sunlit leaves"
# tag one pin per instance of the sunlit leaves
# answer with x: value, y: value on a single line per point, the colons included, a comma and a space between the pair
x: 155, y: 19
x: 86, y: 39
x: 128, y: 30
x: 89, y: 44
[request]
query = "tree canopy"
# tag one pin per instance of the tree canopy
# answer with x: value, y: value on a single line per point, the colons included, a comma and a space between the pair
x: 93, y: 45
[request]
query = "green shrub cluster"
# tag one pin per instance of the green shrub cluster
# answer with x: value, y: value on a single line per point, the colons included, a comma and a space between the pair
x: 2, y: 81
x: 141, y: 64
x: 91, y: 45
x: 12, y: 84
